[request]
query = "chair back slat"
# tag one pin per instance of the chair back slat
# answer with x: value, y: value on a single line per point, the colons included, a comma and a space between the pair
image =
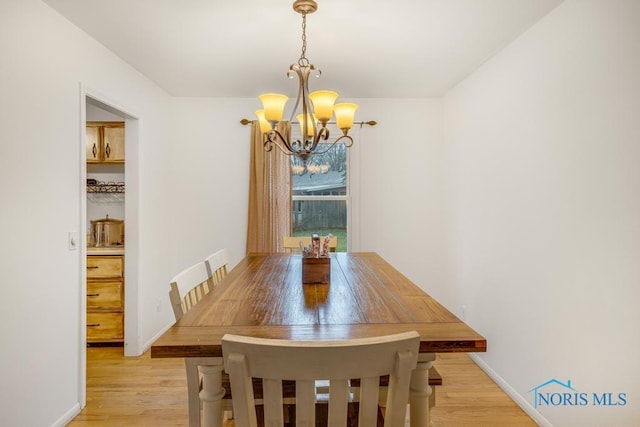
x: 305, y: 402
x: 368, y: 398
x: 335, y: 361
x: 273, y: 406
x: 338, y: 401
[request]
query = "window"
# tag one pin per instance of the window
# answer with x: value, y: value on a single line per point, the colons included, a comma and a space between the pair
x: 320, y: 192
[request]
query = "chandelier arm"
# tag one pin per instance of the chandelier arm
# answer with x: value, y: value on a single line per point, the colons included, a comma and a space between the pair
x: 287, y: 153
x: 303, y: 71
x: 322, y: 134
x: 274, y: 137
x: 322, y: 152
x: 306, y: 104
x: 348, y: 143
x: 348, y: 140
x: 295, y: 68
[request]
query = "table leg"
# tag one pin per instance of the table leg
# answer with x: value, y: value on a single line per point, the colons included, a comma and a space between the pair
x: 420, y: 414
x: 211, y: 395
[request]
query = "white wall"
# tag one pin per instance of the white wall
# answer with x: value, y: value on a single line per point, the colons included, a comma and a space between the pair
x: 400, y: 194
x: 543, y: 201
x: 209, y: 178
x: 44, y: 60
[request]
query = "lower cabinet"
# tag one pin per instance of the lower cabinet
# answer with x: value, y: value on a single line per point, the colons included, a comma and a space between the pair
x: 105, y: 299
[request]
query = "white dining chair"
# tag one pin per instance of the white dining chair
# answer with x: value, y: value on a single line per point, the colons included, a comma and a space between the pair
x: 187, y: 288
x: 217, y: 265
x: 307, y: 361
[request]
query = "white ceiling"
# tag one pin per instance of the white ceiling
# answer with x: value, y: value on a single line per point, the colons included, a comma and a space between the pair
x: 365, y: 48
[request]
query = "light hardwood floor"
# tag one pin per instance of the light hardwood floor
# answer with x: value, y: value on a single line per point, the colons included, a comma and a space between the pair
x: 140, y: 391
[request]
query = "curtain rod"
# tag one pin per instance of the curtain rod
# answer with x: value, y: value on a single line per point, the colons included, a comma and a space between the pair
x: 245, y: 122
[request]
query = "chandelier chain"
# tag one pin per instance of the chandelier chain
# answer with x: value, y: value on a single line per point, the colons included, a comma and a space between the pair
x: 303, y: 61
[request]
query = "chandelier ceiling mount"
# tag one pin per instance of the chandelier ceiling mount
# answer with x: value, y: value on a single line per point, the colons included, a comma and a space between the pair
x: 305, y: 6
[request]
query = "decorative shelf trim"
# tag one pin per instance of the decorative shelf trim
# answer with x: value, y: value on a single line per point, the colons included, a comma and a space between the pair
x: 106, y: 187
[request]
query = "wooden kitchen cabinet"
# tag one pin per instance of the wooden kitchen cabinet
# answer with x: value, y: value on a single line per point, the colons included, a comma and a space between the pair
x: 105, y: 142
x: 105, y: 299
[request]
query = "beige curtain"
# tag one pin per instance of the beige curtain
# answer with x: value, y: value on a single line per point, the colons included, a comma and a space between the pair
x: 269, y: 193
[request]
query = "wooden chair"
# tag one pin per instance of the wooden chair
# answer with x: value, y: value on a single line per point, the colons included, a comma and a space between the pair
x: 217, y: 265
x: 187, y: 288
x: 307, y: 361
x: 292, y: 243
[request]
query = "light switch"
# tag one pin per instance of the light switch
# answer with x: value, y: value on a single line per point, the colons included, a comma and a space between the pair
x: 73, y: 240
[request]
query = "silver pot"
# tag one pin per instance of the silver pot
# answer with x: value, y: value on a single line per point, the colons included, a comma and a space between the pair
x: 107, y: 231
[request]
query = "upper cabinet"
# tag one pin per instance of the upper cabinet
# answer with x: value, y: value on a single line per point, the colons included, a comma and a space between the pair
x: 105, y: 142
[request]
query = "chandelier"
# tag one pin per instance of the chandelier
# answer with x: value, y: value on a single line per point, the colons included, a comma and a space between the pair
x: 316, y: 107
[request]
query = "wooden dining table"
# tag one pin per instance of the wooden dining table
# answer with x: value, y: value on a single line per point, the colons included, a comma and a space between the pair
x: 263, y: 296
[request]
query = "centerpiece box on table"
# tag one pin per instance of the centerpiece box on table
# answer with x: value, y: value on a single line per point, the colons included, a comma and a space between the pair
x: 316, y: 270
x: 316, y: 263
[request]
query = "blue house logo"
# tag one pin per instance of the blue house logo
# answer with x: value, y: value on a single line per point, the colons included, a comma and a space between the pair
x: 567, y: 395
x: 557, y: 393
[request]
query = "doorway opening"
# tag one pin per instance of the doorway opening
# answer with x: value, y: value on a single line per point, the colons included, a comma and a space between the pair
x: 109, y: 214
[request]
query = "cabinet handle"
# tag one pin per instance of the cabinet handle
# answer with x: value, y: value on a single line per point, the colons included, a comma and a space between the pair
x: 92, y: 325
x: 93, y: 295
x: 95, y: 150
x: 91, y: 267
x: 107, y: 150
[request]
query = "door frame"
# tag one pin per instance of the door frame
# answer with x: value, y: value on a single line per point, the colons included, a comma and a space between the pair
x: 132, y: 339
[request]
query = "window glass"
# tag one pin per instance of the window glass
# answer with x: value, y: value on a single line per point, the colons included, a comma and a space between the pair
x: 320, y: 191
x: 325, y: 174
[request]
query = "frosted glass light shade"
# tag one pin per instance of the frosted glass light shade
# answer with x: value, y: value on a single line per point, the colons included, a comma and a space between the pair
x: 273, y: 104
x: 323, y: 101
x: 265, y: 126
x: 311, y: 124
x: 345, y: 112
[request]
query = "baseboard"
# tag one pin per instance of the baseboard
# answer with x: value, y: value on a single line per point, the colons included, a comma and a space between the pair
x: 146, y: 346
x: 68, y: 416
x: 511, y: 392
